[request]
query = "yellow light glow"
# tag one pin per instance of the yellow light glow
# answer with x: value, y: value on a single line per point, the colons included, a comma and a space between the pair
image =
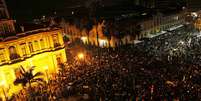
x: 46, y: 67
x: 2, y: 83
x: 103, y: 42
x: 2, y: 80
x: 84, y: 39
x: 80, y: 56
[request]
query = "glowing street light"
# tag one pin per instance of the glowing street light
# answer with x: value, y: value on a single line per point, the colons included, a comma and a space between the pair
x: 80, y: 56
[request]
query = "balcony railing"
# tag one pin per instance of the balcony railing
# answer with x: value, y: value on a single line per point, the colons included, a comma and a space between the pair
x: 56, y: 45
x: 14, y: 56
x: 17, y: 58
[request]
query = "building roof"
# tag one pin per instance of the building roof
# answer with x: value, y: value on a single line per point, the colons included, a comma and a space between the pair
x: 27, y: 33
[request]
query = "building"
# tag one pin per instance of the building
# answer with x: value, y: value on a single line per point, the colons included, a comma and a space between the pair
x: 131, y: 32
x: 3, y: 10
x: 94, y: 37
x: 145, y: 3
x: 6, y: 24
x: 165, y: 4
x: 193, y: 5
x: 197, y: 23
x: 160, y: 23
x: 160, y: 4
x: 43, y: 48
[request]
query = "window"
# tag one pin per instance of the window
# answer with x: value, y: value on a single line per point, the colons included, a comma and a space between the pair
x: 10, y: 28
x: 6, y: 29
x: 36, y: 45
x: 12, y: 50
x: 2, y: 56
x: 55, y: 40
x: 31, y: 47
x: 59, y: 60
x: 23, y: 49
x: 13, y: 53
x: 1, y: 29
x: 42, y: 44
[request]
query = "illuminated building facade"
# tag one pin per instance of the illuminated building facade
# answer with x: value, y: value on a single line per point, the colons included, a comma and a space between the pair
x: 95, y: 37
x: 197, y: 23
x: 160, y: 23
x: 42, y: 48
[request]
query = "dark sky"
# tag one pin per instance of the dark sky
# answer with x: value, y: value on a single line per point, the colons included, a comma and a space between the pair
x: 22, y: 9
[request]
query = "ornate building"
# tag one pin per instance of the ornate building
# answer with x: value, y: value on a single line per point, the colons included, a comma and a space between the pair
x: 42, y: 48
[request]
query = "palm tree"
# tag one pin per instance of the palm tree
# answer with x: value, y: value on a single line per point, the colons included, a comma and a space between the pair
x: 27, y: 77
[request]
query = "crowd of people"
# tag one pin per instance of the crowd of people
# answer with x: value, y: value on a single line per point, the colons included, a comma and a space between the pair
x: 158, y: 69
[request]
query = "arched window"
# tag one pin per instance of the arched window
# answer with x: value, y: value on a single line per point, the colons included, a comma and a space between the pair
x: 42, y: 44
x: 6, y: 29
x: 13, y: 53
x: 2, y: 56
x: 55, y: 40
x: 23, y: 49
x: 31, y: 47
x: 36, y: 45
x: 12, y: 50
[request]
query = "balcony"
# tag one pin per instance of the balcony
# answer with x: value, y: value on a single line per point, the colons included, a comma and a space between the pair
x: 14, y: 57
x: 56, y: 45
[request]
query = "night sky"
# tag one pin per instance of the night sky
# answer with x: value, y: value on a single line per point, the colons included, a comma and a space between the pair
x: 25, y: 9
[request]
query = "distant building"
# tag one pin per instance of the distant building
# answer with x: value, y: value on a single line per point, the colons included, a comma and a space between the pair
x: 159, y: 4
x: 165, y: 4
x: 3, y: 10
x: 161, y: 22
x: 6, y: 24
x: 145, y: 3
x: 147, y: 27
x: 197, y: 23
x: 194, y: 5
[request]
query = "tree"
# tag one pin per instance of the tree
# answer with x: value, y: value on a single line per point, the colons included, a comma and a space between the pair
x: 137, y: 31
x: 107, y: 33
x: 27, y: 77
x: 88, y: 27
x: 66, y: 38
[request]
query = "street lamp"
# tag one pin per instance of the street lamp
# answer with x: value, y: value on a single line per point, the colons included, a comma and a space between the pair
x: 80, y: 56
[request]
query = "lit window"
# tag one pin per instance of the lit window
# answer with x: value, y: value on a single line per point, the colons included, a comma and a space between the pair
x: 23, y: 49
x: 2, y: 56
x: 12, y: 50
x: 42, y: 44
x: 13, y: 53
x: 31, y: 47
x: 36, y: 45
x: 6, y: 28
x: 55, y: 40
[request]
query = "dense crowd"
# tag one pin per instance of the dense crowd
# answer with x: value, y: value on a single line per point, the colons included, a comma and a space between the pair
x: 158, y: 69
